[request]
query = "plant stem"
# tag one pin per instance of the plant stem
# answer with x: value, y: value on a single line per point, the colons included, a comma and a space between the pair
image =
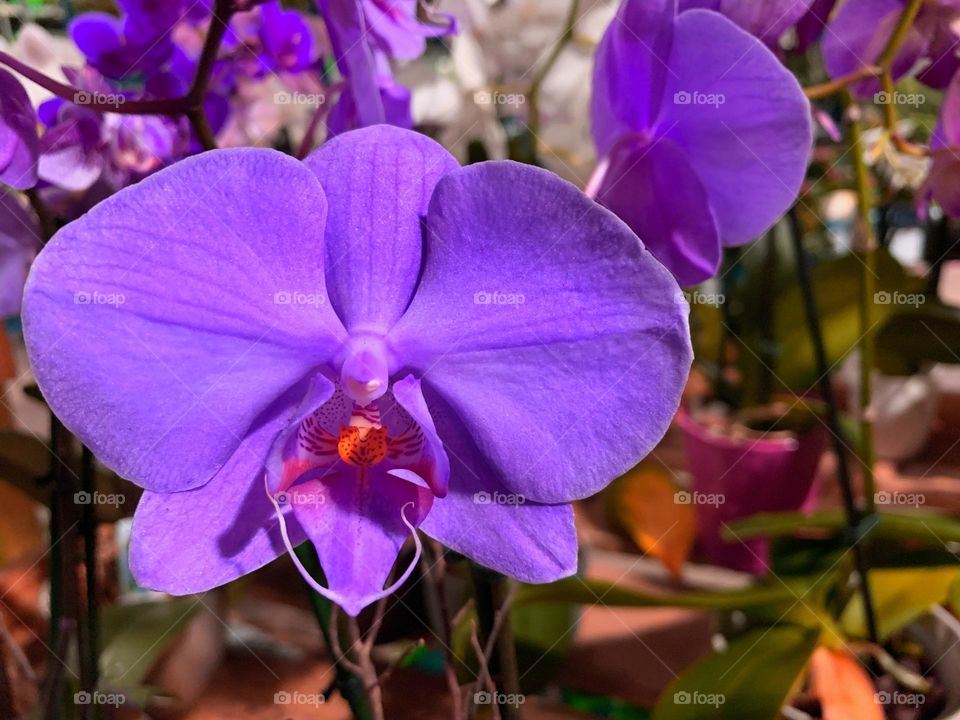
x: 493, y: 615
x: 347, y: 683
x: 867, y: 254
x: 88, y: 528
x: 816, y: 92
x: 853, y: 515
x: 533, y: 93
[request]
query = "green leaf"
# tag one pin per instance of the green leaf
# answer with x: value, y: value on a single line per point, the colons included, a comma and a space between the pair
x: 750, y: 680
x: 914, y: 337
x: 922, y: 527
x: 836, y: 286
x: 586, y: 591
x: 135, y: 635
x: 899, y: 596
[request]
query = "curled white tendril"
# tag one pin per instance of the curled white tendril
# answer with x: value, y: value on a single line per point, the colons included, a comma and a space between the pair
x: 327, y: 592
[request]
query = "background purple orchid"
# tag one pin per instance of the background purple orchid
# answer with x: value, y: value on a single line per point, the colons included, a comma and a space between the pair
x: 859, y: 30
x: 326, y: 317
x: 18, y: 135
x: 692, y: 103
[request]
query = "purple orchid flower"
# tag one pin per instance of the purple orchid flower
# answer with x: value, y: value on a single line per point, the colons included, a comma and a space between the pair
x: 691, y: 115
x: 121, y: 48
x: 364, y: 35
x: 765, y: 19
x: 19, y: 145
x: 19, y: 243
x: 943, y: 181
x: 347, y: 348
x: 860, y: 30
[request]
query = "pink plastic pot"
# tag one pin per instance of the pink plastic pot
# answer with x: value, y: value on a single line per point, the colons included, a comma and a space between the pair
x: 736, y: 475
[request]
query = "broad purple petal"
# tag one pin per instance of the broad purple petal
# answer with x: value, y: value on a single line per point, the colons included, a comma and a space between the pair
x: 555, y: 337
x: 493, y: 525
x: 655, y: 190
x: 18, y: 135
x: 742, y: 119
x: 631, y: 69
x: 188, y: 542
x: 378, y: 182
x: 164, y: 321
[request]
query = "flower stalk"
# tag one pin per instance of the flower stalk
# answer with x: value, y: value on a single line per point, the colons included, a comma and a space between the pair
x: 854, y: 515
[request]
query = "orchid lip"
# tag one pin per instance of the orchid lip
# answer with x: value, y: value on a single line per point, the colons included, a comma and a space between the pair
x: 352, y: 605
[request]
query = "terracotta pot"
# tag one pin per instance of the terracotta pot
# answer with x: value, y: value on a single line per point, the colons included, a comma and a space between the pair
x: 738, y: 472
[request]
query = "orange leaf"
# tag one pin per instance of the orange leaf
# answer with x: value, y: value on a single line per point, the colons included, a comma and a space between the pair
x: 644, y: 501
x: 843, y: 686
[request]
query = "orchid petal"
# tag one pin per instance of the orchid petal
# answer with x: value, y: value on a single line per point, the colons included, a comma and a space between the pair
x: 557, y: 339
x: 655, y: 190
x: 743, y: 120
x: 378, y: 182
x: 636, y: 45
x: 144, y: 317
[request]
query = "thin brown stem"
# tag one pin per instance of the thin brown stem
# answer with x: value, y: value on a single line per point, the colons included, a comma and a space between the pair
x: 533, y: 94
x: 816, y: 92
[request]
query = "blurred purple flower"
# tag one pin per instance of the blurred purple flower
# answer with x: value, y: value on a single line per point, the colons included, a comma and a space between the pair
x: 355, y: 345
x: 765, y: 19
x: 19, y: 145
x: 812, y: 25
x: 943, y: 181
x: 703, y: 135
x: 860, y: 30
x: 80, y: 146
x: 364, y: 35
x: 121, y: 48
x: 19, y: 243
